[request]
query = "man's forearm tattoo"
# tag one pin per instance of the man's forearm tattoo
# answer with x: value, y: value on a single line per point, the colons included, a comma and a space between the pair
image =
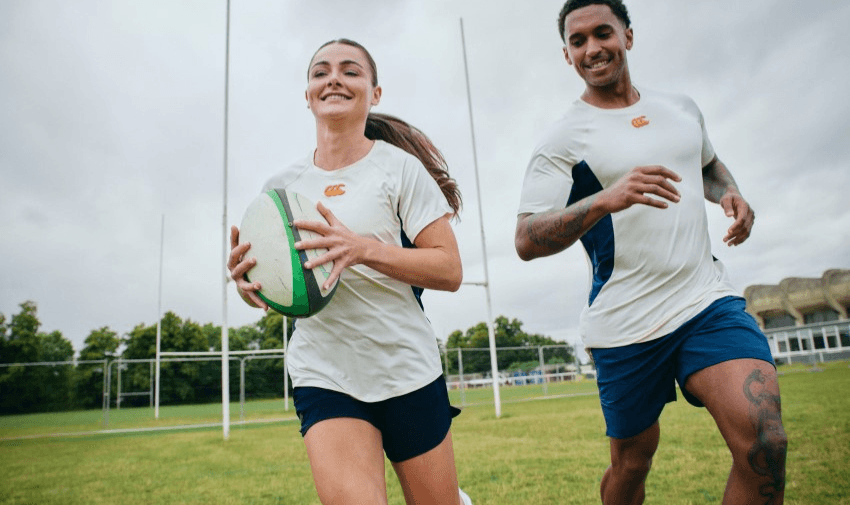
x: 558, y: 233
x: 717, y: 180
x: 767, y: 455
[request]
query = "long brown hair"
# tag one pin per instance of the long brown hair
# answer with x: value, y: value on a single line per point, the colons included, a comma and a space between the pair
x: 399, y: 133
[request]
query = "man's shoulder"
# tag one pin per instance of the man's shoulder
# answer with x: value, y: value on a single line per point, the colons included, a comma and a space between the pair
x: 569, y: 126
x: 666, y: 97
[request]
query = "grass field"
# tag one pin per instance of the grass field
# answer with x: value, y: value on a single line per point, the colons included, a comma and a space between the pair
x: 549, y: 451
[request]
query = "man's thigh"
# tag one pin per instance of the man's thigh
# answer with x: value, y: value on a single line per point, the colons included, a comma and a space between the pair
x: 743, y: 397
x: 723, y: 332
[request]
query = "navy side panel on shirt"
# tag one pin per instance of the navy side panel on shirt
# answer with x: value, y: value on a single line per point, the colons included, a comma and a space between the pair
x: 407, y: 244
x: 599, y: 240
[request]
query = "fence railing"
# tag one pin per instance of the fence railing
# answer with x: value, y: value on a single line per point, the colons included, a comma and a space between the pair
x: 525, y: 372
x: 70, y: 385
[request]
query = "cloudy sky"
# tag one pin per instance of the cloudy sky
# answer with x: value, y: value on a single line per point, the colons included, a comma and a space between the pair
x: 112, y: 116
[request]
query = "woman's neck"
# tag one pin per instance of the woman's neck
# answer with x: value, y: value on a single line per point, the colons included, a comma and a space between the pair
x: 340, y: 147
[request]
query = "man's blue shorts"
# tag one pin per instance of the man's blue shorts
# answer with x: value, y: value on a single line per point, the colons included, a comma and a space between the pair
x: 410, y: 424
x: 637, y: 380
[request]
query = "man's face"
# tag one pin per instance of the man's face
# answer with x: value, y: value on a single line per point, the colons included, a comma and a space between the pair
x: 596, y: 44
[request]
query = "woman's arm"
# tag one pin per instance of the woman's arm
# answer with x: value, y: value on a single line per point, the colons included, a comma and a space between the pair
x: 433, y: 264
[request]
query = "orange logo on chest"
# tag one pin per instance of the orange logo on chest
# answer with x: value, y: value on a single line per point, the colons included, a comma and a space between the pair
x: 335, y: 190
x: 640, y: 121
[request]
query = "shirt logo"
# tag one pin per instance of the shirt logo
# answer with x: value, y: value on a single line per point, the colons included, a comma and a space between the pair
x: 640, y: 121
x: 335, y: 190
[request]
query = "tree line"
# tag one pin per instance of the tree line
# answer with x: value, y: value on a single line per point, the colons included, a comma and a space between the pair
x: 521, y: 353
x: 26, y: 389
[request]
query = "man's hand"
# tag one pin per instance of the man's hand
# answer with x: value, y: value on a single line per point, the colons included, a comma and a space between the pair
x: 736, y: 207
x: 634, y: 187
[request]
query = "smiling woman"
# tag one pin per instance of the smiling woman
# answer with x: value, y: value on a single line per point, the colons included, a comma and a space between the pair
x: 367, y: 370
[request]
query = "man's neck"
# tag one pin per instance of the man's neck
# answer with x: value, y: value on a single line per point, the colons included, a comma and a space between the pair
x: 615, y: 96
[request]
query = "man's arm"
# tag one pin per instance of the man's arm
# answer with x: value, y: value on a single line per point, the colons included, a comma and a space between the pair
x: 547, y: 233
x: 720, y: 188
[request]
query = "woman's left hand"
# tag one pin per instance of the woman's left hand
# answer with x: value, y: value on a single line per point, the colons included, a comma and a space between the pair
x: 344, y: 247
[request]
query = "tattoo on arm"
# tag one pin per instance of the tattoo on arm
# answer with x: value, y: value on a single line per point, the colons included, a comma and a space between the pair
x: 767, y: 455
x: 717, y: 180
x: 558, y: 233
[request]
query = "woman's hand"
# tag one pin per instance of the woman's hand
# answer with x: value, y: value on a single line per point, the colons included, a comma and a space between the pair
x: 344, y: 247
x: 238, y: 265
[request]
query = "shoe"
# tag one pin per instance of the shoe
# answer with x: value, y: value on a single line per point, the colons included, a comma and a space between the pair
x: 464, y: 498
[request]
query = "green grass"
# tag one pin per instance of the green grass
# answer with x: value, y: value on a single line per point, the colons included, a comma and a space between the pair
x: 539, y: 452
x: 129, y: 418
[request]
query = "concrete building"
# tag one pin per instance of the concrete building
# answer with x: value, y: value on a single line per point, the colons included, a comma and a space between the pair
x: 798, y: 301
x: 805, y: 319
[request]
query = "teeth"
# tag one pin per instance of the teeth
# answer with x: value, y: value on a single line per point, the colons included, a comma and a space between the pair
x: 599, y: 64
x: 335, y: 97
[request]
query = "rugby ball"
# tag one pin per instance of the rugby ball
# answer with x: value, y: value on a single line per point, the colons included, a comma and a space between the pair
x: 287, y: 287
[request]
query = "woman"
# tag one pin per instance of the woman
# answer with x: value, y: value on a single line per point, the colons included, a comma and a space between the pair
x: 366, y: 370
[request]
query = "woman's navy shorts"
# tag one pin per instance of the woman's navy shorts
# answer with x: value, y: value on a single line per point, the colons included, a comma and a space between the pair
x: 636, y: 381
x: 410, y: 424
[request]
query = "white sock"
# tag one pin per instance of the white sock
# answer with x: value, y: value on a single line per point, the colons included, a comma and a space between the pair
x: 464, y: 498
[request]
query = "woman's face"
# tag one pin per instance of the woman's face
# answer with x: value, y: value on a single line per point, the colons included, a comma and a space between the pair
x: 339, y: 84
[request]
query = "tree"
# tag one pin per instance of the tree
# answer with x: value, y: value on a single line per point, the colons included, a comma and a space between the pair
x: 101, y: 344
x: 33, y: 388
x: 178, y: 380
x: 21, y: 336
x: 508, y: 333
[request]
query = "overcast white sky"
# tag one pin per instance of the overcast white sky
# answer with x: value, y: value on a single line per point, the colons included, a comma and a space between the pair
x: 112, y: 115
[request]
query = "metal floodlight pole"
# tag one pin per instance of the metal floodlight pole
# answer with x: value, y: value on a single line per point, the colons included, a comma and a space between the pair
x: 491, y: 333
x: 159, y: 319
x: 225, y: 344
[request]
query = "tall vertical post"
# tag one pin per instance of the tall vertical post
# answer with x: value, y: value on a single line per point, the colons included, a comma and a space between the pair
x: 242, y: 389
x: 225, y: 340
x: 461, y: 383
x: 118, y: 397
x: 494, y: 367
x: 159, y: 319
x: 542, y: 370
x: 150, y: 385
x: 108, y: 394
x: 285, y: 375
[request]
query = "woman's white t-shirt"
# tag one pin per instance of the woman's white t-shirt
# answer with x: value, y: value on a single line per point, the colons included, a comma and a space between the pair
x: 373, y: 340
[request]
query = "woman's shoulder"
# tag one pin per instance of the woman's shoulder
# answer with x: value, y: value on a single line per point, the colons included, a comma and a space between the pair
x: 288, y: 174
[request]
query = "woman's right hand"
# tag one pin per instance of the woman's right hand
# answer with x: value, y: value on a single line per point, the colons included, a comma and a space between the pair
x: 238, y: 265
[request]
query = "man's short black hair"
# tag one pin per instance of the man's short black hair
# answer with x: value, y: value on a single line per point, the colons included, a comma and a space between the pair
x: 616, y: 6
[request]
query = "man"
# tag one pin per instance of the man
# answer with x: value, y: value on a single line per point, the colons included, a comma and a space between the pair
x: 626, y: 171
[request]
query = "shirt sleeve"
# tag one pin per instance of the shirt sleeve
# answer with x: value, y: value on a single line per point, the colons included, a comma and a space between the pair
x: 420, y: 201
x: 548, y: 180
x: 707, y: 149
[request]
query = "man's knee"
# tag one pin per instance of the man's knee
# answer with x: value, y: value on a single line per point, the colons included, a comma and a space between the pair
x: 633, y: 467
x: 632, y: 458
x: 766, y: 455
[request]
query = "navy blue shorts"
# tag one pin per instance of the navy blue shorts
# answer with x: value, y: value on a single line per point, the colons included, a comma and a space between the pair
x: 637, y: 380
x: 410, y: 424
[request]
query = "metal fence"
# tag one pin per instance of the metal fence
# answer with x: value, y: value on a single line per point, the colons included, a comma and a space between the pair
x: 525, y: 372
x: 107, y: 384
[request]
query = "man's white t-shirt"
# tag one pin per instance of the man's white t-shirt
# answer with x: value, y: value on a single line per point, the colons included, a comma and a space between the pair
x: 373, y: 340
x: 651, y: 270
